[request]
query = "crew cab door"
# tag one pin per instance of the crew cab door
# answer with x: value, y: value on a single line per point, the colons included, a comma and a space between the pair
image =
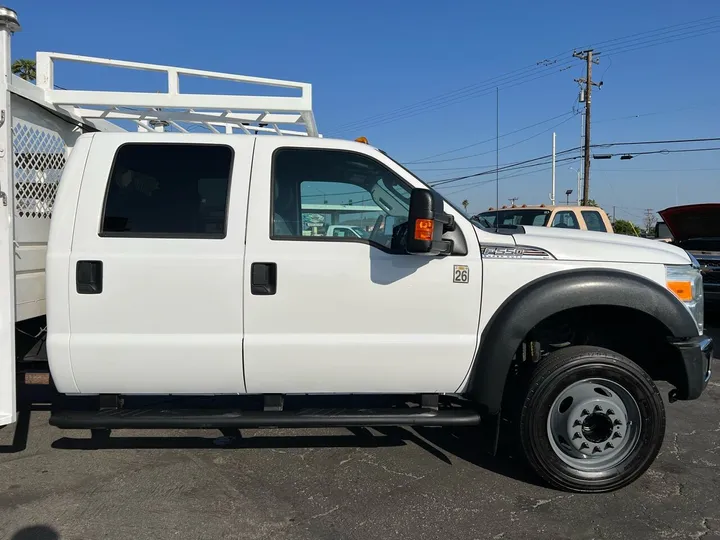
x: 343, y: 314
x: 156, y: 267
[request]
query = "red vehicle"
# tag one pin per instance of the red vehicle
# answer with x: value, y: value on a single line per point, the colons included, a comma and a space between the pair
x: 696, y: 229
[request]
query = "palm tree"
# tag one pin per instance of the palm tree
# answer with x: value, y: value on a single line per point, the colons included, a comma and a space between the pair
x: 465, y: 204
x: 24, y: 68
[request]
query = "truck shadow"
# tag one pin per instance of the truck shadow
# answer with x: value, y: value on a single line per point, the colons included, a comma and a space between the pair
x: 36, y: 532
x: 29, y: 399
x: 445, y: 444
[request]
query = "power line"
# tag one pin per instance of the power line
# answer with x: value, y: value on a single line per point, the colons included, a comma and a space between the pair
x: 628, y: 170
x: 487, y: 89
x: 629, y: 143
x: 457, y: 158
x: 668, y: 141
x: 666, y: 151
x: 541, y: 161
x: 544, y: 68
x: 658, y: 31
x: 660, y: 40
x: 492, y: 139
x: 513, y: 166
x: 464, y: 187
x: 520, y: 164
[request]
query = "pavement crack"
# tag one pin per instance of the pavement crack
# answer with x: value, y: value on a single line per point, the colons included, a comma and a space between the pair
x: 541, y: 502
x: 374, y: 463
x: 675, y: 450
x: 704, y: 531
x: 326, y: 513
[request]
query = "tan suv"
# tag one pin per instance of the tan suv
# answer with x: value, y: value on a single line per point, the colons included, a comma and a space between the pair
x: 586, y: 218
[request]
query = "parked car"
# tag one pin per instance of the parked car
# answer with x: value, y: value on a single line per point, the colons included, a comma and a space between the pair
x: 347, y: 231
x: 586, y: 218
x: 696, y: 229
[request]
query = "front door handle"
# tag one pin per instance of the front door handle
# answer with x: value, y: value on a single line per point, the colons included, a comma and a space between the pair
x: 263, y: 278
x: 89, y: 277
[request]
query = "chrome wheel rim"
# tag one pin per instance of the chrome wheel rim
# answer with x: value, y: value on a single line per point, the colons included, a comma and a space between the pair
x: 594, y: 424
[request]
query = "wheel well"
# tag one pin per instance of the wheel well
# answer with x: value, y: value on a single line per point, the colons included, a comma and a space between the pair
x: 630, y: 332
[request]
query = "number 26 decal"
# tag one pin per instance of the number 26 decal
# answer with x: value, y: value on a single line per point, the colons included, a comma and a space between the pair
x: 461, y: 273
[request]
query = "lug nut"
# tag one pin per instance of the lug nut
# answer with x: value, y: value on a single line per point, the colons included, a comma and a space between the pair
x: 577, y: 436
x: 597, y: 408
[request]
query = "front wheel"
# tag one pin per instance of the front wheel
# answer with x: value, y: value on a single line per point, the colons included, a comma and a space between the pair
x: 592, y: 420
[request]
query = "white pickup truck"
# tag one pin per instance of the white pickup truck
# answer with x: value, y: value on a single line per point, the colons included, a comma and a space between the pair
x: 177, y: 265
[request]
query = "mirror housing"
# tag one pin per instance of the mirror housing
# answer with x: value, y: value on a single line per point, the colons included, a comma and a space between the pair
x: 427, y: 221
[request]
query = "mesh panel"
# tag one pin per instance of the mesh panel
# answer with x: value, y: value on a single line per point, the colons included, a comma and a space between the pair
x: 39, y: 162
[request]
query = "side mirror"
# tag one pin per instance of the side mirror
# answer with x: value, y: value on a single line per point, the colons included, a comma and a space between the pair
x: 427, y: 222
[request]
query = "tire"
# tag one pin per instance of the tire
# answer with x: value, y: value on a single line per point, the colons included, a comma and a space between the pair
x: 592, y: 420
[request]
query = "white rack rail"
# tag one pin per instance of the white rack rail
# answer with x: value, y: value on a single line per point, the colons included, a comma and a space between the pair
x: 219, y: 113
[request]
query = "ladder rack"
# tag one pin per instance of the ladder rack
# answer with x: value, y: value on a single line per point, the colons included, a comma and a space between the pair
x: 173, y: 109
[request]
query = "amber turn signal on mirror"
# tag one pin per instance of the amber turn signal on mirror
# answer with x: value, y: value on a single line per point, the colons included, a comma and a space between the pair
x: 424, y: 229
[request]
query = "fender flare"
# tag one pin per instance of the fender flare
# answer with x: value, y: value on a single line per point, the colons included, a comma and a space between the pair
x: 548, y: 295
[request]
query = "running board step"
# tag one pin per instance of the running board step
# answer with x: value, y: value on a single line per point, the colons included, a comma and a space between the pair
x: 208, y: 419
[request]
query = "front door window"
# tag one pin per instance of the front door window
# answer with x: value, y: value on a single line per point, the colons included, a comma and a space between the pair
x: 333, y: 195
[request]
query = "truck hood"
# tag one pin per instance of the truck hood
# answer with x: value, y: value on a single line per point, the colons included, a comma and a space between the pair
x: 692, y: 221
x: 574, y: 245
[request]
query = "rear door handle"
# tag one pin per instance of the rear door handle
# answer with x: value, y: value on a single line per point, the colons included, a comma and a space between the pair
x: 89, y: 277
x: 263, y: 278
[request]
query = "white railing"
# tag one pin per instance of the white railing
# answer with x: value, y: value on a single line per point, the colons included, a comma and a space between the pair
x: 220, y: 113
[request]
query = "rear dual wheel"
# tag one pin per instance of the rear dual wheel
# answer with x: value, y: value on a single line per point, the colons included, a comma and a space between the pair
x: 592, y: 420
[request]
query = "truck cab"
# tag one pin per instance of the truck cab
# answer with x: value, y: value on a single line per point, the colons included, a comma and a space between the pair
x: 585, y: 218
x: 194, y: 248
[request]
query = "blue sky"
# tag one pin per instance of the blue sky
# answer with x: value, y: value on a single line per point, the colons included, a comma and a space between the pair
x: 369, y: 58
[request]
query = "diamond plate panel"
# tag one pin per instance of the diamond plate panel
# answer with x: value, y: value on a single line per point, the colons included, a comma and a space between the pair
x: 39, y: 161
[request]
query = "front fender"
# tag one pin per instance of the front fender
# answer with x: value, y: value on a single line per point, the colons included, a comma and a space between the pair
x: 548, y: 295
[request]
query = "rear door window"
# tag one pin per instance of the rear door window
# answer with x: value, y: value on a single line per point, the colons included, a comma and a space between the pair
x: 565, y: 220
x: 594, y: 221
x: 168, y: 191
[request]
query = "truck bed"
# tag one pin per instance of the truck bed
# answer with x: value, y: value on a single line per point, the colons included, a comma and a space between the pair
x: 41, y: 143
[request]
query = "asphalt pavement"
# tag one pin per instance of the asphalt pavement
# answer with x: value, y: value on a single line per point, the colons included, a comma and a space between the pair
x: 336, y: 484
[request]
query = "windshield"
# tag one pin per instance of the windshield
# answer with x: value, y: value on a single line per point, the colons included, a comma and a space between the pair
x: 516, y: 216
x: 362, y: 233
x: 474, y: 219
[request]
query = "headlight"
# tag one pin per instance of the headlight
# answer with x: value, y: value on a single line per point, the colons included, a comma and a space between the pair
x: 687, y: 285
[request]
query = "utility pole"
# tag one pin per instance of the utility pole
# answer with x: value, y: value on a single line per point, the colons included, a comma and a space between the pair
x: 649, y: 220
x: 613, y: 215
x: 588, y: 83
x: 552, y: 190
x: 512, y: 200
